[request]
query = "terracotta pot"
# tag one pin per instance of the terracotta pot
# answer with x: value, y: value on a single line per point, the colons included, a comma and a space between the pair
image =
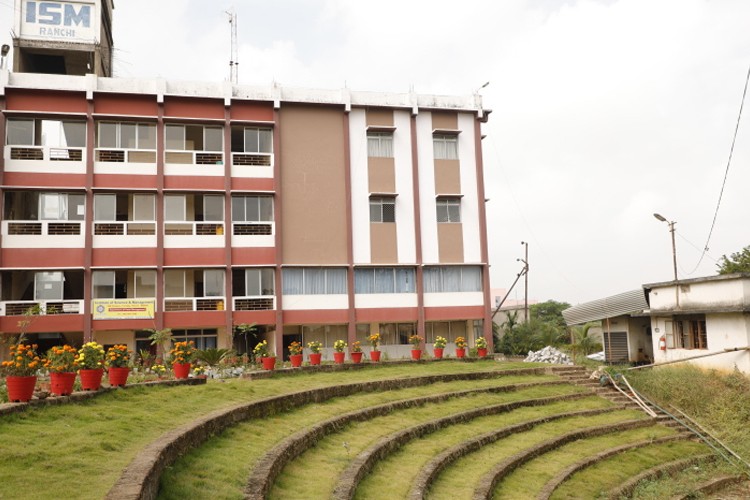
x: 482, y: 353
x: 416, y: 354
x: 315, y: 358
x: 438, y: 352
x: 268, y: 363
x: 91, y: 380
x: 118, y: 376
x: 296, y: 360
x: 181, y: 370
x: 338, y: 357
x: 61, y: 384
x: 356, y: 357
x: 375, y: 356
x: 20, y: 389
x: 461, y: 353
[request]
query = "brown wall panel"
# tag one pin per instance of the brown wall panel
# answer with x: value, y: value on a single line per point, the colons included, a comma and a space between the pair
x: 194, y: 183
x: 381, y: 174
x: 194, y: 319
x: 444, y: 120
x: 43, y: 324
x: 450, y: 243
x: 252, y: 111
x: 456, y: 313
x: 256, y: 256
x: 195, y: 257
x: 253, y: 184
x: 193, y: 107
x: 34, y: 258
x: 447, y: 177
x: 44, y: 180
x: 379, y: 117
x: 250, y: 317
x: 314, y: 202
x: 126, y: 104
x: 320, y: 316
x: 124, y: 181
x: 389, y: 315
x: 122, y: 324
x: 383, y: 243
x: 45, y: 100
x: 123, y: 257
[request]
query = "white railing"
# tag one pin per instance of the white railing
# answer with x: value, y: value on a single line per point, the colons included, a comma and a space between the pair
x: 187, y: 304
x: 194, y: 157
x: 192, y: 228
x: 41, y: 228
x: 124, y: 228
x: 123, y: 155
x: 44, y: 153
x: 48, y: 307
x: 254, y: 303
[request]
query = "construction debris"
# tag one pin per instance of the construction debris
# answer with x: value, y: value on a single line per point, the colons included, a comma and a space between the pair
x: 548, y: 355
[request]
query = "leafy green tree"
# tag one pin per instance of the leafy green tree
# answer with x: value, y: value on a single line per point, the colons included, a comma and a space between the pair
x: 583, y: 342
x: 549, y: 312
x: 738, y: 262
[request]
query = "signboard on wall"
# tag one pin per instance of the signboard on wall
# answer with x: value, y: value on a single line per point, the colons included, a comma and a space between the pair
x: 59, y: 21
x: 123, y: 308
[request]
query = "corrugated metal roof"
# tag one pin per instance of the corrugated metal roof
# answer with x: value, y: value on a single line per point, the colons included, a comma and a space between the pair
x: 632, y: 302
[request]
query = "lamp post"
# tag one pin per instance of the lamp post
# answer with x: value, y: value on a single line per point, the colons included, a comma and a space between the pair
x: 671, y: 224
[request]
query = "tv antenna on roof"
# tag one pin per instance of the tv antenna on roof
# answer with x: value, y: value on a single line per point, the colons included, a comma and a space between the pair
x: 233, y: 57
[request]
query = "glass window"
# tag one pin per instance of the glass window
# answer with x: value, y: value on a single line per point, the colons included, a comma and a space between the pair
x: 107, y: 137
x: 213, y: 283
x: 314, y: 281
x: 445, y: 147
x: 103, y: 284
x: 145, y: 283
x: 382, y: 209
x: 214, y: 140
x: 259, y: 282
x: 105, y: 207
x: 174, y: 283
x: 292, y: 281
x: 128, y: 136
x: 258, y: 140
x: 252, y: 208
x: 380, y: 144
x: 405, y: 280
x: 146, y: 136
x: 175, y: 207
x: 452, y: 279
x: 175, y: 137
x: 213, y: 208
x: 448, y: 210
x: 20, y: 132
x: 144, y: 207
x: 48, y: 285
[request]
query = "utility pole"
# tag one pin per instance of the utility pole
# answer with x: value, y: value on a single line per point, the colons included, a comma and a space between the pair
x: 233, y: 56
x: 525, y: 260
x: 674, y: 256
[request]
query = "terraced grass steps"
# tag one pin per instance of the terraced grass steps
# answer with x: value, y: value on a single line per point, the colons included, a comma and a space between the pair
x: 626, y: 488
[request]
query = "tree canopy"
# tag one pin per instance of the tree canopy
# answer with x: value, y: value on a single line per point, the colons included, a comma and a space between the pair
x: 738, y: 262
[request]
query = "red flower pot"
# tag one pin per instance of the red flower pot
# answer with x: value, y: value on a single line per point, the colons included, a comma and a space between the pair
x: 315, y: 358
x: 338, y: 357
x: 460, y: 353
x: 482, y: 353
x: 268, y: 363
x: 20, y: 389
x: 91, y: 380
x: 181, y: 370
x: 438, y: 353
x: 375, y: 356
x: 296, y: 360
x: 61, y: 384
x: 118, y: 376
x: 416, y: 354
x: 356, y: 357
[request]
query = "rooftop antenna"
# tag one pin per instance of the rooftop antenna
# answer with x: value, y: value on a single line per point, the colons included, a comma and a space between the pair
x: 233, y: 57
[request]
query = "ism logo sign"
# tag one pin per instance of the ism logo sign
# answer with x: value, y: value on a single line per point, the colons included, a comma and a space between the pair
x: 58, y: 20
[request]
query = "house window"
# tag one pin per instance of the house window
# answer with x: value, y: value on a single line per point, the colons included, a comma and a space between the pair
x: 124, y: 207
x: 252, y: 140
x: 175, y: 207
x: 61, y: 206
x: 194, y: 138
x: 252, y: 208
x: 445, y: 147
x: 440, y: 279
x: 103, y: 284
x: 448, y: 210
x: 382, y: 209
x: 314, y: 281
x: 690, y: 332
x: 48, y: 285
x: 205, y: 338
x: 384, y: 280
x: 380, y: 144
x: 51, y: 133
x: 145, y: 283
x: 253, y: 282
x: 126, y: 135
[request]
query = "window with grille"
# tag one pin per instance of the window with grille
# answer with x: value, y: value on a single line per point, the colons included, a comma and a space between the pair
x: 382, y: 209
x: 449, y: 210
x: 445, y: 147
x: 314, y: 281
x: 380, y: 144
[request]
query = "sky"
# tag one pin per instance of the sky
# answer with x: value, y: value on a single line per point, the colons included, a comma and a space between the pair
x: 604, y: 111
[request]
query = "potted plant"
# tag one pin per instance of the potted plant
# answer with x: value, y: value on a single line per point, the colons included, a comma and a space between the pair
x: 91, y: 366
x: 416, y: 351
x: 266, y: 359
x: 440, y: 343
x: 374, y: 341
x: 356, y: 352
x: 20, y: 372
x: 460, y: 347
x: 315, y: 355
x: 181, y: 356
x: 295, y: 354
x: 338, y: 351
x: 481, y: 344
x: 158, y: 370
x: 118, y: 365
x: 61, y: 363
x: 200, y: 371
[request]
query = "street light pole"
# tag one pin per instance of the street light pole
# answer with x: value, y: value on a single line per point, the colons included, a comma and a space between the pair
x: 674, y: 254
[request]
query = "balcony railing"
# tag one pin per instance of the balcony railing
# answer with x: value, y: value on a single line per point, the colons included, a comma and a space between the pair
x: 41, y: 228
x: 252, y: 228
x: 194, y: 157
x: 48, y: 307
x: 112, y: 155
x: 252, y: 159
x: 41, y: 153
x: 130, y: 228
x: 190, y: 228
x: 194, y: 304
x: 260, y: 303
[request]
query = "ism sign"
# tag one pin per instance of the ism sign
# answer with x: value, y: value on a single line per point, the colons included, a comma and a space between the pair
x: 57, y: 19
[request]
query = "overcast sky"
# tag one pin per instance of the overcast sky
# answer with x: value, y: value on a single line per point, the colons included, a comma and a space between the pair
x: 604, y: 112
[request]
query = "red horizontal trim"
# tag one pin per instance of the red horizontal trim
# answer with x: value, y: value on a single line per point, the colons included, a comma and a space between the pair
x: 192, y: 107
x: 453, y: 313
x: 124, y: 257
x: 253, y: 184
x: 249, y: 256
x: 42, y: 324
x: 252, y: 111
x: 45, y: 180
x: 126, y: 104
x: 338, y: 316
x: 212, y: 182
x: 125, y: 181
x: 45, y: 100
x: 387, y: 314
x: 194, y: 257
x: 202, y: 319
x: 122, y: 324
x: 35, y: 258
x: 259, y: 317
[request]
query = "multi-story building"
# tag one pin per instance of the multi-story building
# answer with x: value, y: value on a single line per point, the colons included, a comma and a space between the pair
x: 130, y: 205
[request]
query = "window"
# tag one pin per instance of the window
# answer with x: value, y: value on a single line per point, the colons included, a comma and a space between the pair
x: 452, y: 279
x: 690, y: 332
x: 449, y: 210
x: 213, y: 207
x: 384, y: 280
x: 145, y: 283
x: 105, y: 207
x: 194, y: 138
x: 252, y: 140
x: 124, y: 207
x: 175, y: 207
x: 48, y: 285
x: 126, y: 135
x: 252, y: 208
x: 314, y: 281
x: 103, y: 283
x: 380, y: 144
x: 203, y: 338
x: 51, y: 133
x: 445, y: 147
x: 174, y: 283
x: 144, y: 207
x: 253, y: 282
x: 382, y: 209
x: 61, y: 206
x: 213, y: 283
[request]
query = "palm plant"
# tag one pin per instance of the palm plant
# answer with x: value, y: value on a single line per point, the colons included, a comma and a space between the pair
x: 212, y: 356
x: 583, y: 343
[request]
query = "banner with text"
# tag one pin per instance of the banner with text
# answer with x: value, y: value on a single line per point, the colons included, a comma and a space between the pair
x: 123, y: 308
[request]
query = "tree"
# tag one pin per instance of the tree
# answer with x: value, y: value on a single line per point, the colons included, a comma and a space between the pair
x: 583, y: 343
x: 549, y: 312
x: 738, y: 262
